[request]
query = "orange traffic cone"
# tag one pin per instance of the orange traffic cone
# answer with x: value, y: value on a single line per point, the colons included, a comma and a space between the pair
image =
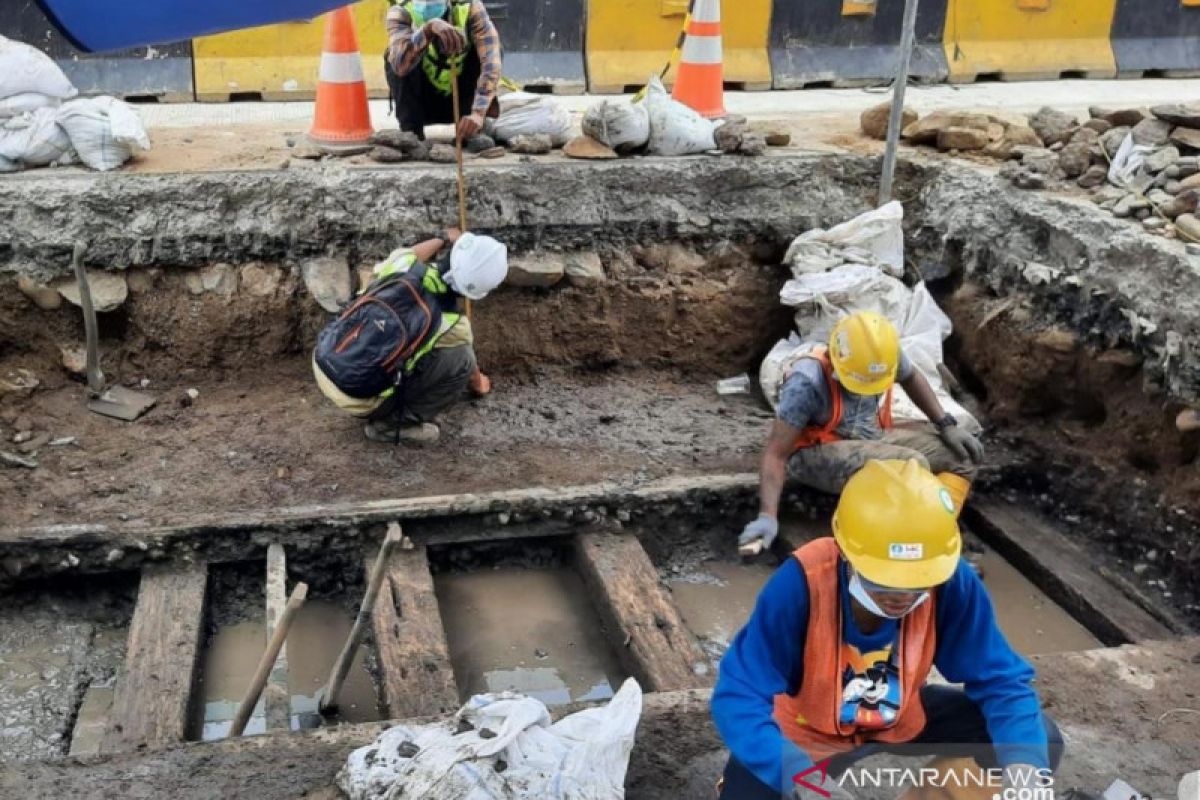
x: 701, y: 82
x: 342, y: 120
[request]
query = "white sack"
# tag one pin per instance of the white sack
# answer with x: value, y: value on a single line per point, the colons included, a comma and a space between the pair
x: 1128, y: 160
x: 874, y: 237
x: 27, y: 69
x: 33, y: 139
x: 675, y: 129
x: 104, y: 131
x: 7, y: 165
x: 26, y: 102
x: 583, y: 756
x: 523, y: 113
x: 620, y: 124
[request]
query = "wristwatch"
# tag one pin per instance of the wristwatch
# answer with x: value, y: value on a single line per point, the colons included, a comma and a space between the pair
x: 947, y: 421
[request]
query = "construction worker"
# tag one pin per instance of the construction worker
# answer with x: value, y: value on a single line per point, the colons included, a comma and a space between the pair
x: 833, y: 661
x: 835, y: 414
x: 428, y: 42
x: 421, y: 292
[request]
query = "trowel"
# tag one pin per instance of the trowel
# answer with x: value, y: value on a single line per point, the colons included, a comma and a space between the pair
x: 116, y: 401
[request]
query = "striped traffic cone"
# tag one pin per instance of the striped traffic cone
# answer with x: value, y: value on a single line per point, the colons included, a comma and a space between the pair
x: 342, y: 120
x: 701, y: 81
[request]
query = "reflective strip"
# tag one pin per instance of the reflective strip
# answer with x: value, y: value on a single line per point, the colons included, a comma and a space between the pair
x: 702, y: 50
x: 704, y: 29
x: 340, y: 68
x: 707, y: 11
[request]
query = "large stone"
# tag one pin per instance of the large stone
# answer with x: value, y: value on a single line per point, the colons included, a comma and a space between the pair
x: 1053, y: 126
x: 531, y: 144
x: 328, y: 281
x: 587, y: 147
x: 955, y: 138
x: 926, y: 129
x: 1119, y: 118
x: 1152, y: 132
x: 1161, y: 159
x: 1111, y: 141
x: 1085, y: 136
x: 1182, y: 203
x: 1189, y: 227
x: 874, y: 120
x: 219, y: 279
x: 1190, y: 182
x: 1187, y: 116
x: 1014, y: 136
x: 479, y: 143
x: 108, y: 289
x: 43, y: 297
x: 1186, y: 137
x: 1095, y: 176
x: 74, y: 358
x: 441, y: 154
x: 1100, y: 126
x: 142, y: 280
x: 729, y: 135
x: 753, y: 144
x: 1074, y: 159
x: 387, y: 155
x: 404, y: 141
x: 260, y: 280
x: 536, y: 270
x: 1041, y: 161
x: 584, y: 269
x: 778, y: 138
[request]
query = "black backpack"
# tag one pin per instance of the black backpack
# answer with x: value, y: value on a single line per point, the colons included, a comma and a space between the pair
x: 364, y: 350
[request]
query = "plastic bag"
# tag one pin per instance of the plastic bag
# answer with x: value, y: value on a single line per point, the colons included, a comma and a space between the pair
x: 525, y: 113
x: 34, y: 139
x: 25, y: 102
x: 675, y: 129
x: 583, y: 756
x: 26, y: 69
x: 104, y: 131
x: 620, y: 124
x: 874, y: 236
x: 1127, y: 161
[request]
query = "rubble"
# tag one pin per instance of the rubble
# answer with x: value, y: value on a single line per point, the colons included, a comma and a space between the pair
x: 537, y: 144
x: 1121, y: 118
x: 958, y: 138
x: 536, y: 270
x: 43, y: 297
x: 1053, y: 126
x: 1152, y: 132
x: 108, y: 289
x: 588, y: 148
x: 387, y: 155
x: 1187, y: 116
x: 328, y: 281
x: 442, y: 154
x: 874, y: 121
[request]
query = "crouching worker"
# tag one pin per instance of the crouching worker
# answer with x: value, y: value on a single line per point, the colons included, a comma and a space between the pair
x: 835, y: 414
x: 403, y: 351
x: 832, y: 663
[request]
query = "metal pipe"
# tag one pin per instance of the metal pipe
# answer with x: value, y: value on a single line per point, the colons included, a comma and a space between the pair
x: 898, y: 89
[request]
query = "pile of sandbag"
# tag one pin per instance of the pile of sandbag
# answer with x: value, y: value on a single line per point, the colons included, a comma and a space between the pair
x: 40, y: 125
x: 526, y: 114
x: 658, y: 123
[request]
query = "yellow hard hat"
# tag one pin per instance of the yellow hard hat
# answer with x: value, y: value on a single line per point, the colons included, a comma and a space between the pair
x: 897, y: 525
x: 865, y: 351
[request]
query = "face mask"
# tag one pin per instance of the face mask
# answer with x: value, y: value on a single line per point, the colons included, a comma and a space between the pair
x: 860, y: 593
x: 430, y: 9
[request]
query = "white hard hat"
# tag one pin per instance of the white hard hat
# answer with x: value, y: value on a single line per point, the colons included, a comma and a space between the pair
x: 478, y: 264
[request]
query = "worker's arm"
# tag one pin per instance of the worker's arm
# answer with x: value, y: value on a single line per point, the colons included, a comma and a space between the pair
x: 766, y: 658
x: 427, y: 250
x: 962, y: 444
x: 921, y: 393
x: 487, y: 46
x: 972, y: 650
x: 407, y: 43
x: 772, y: 470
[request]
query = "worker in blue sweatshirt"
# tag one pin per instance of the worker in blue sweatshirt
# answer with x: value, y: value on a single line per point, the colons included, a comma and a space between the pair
x: 832, y: 663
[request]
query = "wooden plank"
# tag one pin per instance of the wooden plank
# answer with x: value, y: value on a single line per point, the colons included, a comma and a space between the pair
x: 414, y: 659
x: 644, y: 625
x: 1065, y: 571
x: 150, y: 707
x: 277, y: 701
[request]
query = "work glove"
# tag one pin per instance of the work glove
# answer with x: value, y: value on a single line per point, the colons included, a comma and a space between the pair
x: 765, y: 528
x: 962, y: 444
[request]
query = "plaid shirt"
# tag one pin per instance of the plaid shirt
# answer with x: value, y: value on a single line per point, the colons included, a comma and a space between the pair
x: 406, y: 47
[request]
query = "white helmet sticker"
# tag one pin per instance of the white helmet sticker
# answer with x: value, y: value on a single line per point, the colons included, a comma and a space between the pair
x: 899, y: 551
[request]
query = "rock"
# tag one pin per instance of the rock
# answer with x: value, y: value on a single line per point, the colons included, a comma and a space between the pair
x: 387, y: 155
x: 588, y: 148
x: 307, y: 151
x: 1161, y: 159
x: 995, y: 131
x: 35, y: 443
x: 1125, y: 117
x: 1187, y: 116
x: 1186, y: 137
x: 109, y: 289
x: 536, y: 144
x: 1187, y: 421
x: 43, y: 297
x: 1108, y: 193
x: 729, y: 135
x: 536, y: 270
x: 1041, y: 161
x: 1125, y: 206
x: 421, y: 152
x: 1154, y: 223
x: 1185, y: 202
x: 142, y: 280
x: 328, y: 281
x: 1084, y: 136
x: 74, y: 358
x: 441, y: 154
x: 753, y: 144
x: 1111, y: 141
x: 1158, y: 197
x: 1022, y: 177
x: 219, y: 279
x: 1100, y: 126
x: 479, y: 143
x: 956, y: 138
x: 1075, y: 159
x: 1095, y: 176
x: 22, y: 424
x: 1192, y: 248
x: 494, y: 152
x: 783, y: 139
x: 1188, y: 226
x: 1152, y: 132
x: 1190, y: 182
x: 1172, y: 187
x: 404, y: 141
x: 584, y: 269
x: 926, y: 129
x: 260, y: 280
x: 874, y: 120
x: 1014, y: 136
x: 1052, y: 125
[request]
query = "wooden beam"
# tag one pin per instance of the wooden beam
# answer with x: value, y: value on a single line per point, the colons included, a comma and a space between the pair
x: 277, y: 700
x: 150, y: 707
x: 644, y: 625
x: 1065, y: 571
x: 414, y: 659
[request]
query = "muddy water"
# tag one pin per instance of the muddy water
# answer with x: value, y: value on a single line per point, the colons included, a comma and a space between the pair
x: 716, y: 600
x: 527, y: 630
x: 314, y: 641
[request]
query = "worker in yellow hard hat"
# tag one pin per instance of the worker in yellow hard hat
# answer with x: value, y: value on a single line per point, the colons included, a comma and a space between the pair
x: 833, y: 662
x: 835, y: 414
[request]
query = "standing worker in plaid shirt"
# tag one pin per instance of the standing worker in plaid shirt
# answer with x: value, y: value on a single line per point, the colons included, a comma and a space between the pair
x: 428, y: 40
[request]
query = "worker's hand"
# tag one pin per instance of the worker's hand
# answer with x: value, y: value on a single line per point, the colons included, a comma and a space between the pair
x: 450, y: 41
x: 479, y: 384
x: 962, y: 444
x: 469, y: 126
x: 765, y: 528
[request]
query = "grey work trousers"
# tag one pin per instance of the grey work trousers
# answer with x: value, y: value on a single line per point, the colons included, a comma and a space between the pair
x: 827, y: 467
x: 439, y: 379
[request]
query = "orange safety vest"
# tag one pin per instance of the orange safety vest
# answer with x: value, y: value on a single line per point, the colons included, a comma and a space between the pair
x: 827, y: 433
x: 811, y: 717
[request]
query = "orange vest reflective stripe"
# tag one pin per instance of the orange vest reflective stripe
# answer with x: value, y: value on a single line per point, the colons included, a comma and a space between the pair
x: 824, y: 434
x: 810, y: 718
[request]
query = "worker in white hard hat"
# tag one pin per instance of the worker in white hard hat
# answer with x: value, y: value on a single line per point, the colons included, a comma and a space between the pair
x: 404, y: 350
